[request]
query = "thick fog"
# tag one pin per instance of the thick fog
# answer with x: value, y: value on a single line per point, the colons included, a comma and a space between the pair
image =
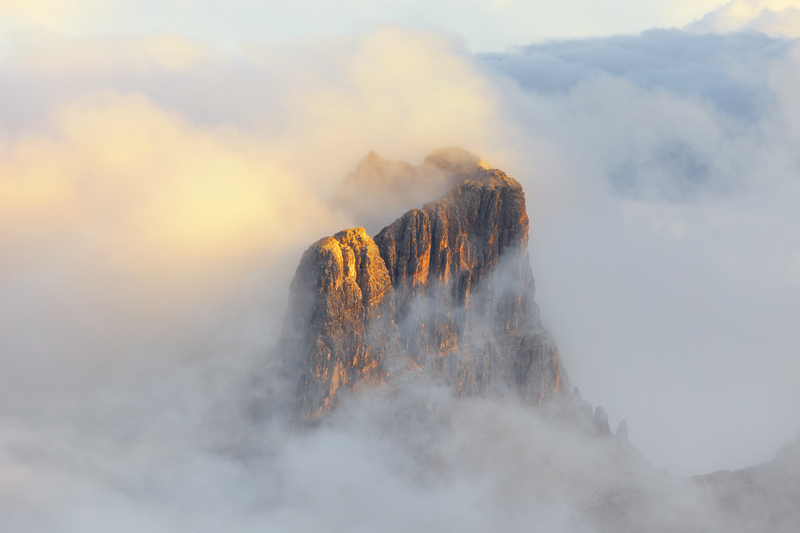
x: 668, y: 220
x: 156, y: 193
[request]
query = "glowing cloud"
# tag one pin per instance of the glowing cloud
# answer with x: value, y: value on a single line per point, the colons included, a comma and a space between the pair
x: 144, y: 187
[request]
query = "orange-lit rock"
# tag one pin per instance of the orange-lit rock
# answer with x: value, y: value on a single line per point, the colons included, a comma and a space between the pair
x: 340, y: 307
x: 447, y: 288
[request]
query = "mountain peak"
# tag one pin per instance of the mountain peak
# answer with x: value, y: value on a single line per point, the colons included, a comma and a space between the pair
x: 446, y: 288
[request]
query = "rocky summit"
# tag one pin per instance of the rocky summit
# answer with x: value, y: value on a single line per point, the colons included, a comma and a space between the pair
x: 445, y: 291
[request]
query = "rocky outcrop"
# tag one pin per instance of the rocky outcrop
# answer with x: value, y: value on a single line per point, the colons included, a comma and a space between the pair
x: 446, y: 290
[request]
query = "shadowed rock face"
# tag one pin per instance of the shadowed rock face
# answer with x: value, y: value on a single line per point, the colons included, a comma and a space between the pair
x: 446, y: 290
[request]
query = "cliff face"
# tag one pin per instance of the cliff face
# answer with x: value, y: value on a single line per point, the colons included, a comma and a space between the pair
x: 446, y: 289
x: 339, y: 319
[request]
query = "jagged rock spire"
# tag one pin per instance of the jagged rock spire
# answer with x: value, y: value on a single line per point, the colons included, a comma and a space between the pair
x: 447, y: 289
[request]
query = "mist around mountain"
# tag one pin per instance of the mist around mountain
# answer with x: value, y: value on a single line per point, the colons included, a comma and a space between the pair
x: 367, y: 346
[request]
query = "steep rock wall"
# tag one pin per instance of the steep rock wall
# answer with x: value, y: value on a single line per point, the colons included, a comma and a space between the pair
x: 339, y: 320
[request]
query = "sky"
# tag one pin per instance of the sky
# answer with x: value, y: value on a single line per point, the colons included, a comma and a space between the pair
x: 164, y: 164
x: 483, y: 24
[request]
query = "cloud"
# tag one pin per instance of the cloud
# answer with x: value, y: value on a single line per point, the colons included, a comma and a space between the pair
x: 117, y: 223
x: 776, y: 18
x: 671, y: 159
x: 47, y: 52
x: 37, y: 11
x: 710, y: 66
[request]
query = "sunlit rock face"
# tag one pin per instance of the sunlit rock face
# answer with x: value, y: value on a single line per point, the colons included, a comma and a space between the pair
x: 339, y: 319
x: 445, y: 290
